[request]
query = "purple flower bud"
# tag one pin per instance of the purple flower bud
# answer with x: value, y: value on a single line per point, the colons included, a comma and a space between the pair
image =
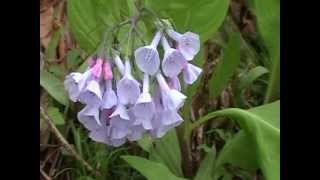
x: 128, y: 90
x: 173, y: 60
x: 188, y: 43
x: 147, y: 57
x: 191, y: 73
x: 89, y: 117
x: 171, y: 98
x: 109, y: 97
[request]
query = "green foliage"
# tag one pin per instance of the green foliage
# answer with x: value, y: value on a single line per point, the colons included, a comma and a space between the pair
x: 203, y: 16
x: 205, y: 170
x: 268, y: 19
x: 151, y: 170
x: 226, y: 66
x: 56, y: 115
x: 261, y: 126
x: 54, y: 87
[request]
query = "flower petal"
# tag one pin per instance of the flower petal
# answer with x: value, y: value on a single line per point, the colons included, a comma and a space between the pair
x: 92, y: 94
x: 128, y: 90
x: 120, y: 111
x: 191, y: 73
x: 172, y: 63
x: 147, y: 59
x: 89, y: 117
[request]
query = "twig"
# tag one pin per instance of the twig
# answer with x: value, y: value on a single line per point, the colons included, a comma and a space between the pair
x: 44, y: 174
x: 65, y: 144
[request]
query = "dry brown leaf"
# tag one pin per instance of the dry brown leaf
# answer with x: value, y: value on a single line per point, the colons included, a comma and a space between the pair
x: 46, y: 20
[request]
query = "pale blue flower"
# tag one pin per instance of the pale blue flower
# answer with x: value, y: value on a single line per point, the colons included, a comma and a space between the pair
x: 188, y: 43
x: 128, y: 89
x: 75, y: 82
x: 191, y: 73
x: 171, y: 98
x: 147, y: 57
x: 173, y: 60
x: 144, y: 108
x: 89, y: 117
x: 109, y: 98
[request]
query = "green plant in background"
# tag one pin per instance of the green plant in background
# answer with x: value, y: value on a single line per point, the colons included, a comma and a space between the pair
x: 234, y: 68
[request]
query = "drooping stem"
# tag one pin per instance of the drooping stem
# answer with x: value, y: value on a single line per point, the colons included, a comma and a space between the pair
x: 156, y: 39
x: 165, y: 44
x: 119, y: 64
x: 145, y: 83
x: 65, y: 144
x: 174, y: 35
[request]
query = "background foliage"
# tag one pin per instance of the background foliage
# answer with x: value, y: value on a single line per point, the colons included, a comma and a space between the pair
x: 231, y: 126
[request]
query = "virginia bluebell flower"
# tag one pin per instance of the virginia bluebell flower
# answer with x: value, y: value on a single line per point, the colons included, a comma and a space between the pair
x: 188, y: 43
x: 147, y: 57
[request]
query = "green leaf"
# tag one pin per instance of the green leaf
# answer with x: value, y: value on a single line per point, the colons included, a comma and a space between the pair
x: 205, y: 170
x: 239, y: 151
x: 268, y: 20
x: 74, y: 58
x: 145, y: 143
x: 226, y: 66
x: 151, y: 170
x: 203, y: 16
x: 54, y: 87
x: 262, y: 126
x: 251, y: 76
x: 167, y: 151
x: 56, y: 115
x: 53, y: 44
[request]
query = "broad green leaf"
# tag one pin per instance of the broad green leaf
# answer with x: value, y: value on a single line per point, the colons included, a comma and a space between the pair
x: 268, y: 20
x: 145, y: 143
x: 151, y: 170
x: 84, y: 23
x: 205, y: 170
x: 261, y: 126
x: 55, y: 115
x: 89, y: 20
x: 56, y: 70
x: 239, y: 151
x: 167, y: 151
x: 74, y: 58
x: 203, y: 16
x: 54, y: 87
x: 226, y: 66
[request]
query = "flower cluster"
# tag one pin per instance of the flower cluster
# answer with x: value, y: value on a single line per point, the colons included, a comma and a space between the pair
x: 121, y: 108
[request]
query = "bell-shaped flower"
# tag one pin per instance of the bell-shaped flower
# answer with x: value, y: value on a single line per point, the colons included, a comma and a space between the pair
x: 89, y: 117
x: 144, y: 108
x: 147, y: 57
x: 164, y: 120
x: 119, y: 64
x: 75, y: 82
x: 173, y: 60
x: 101, y: 133
x: 92, y: 93
x: 188, y: 43
x: 109, y: 98
x: 120, y: 128
x: 191, y: 73
x: 171, y: 98
x: 174, y: 83
x: 128, y: 89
